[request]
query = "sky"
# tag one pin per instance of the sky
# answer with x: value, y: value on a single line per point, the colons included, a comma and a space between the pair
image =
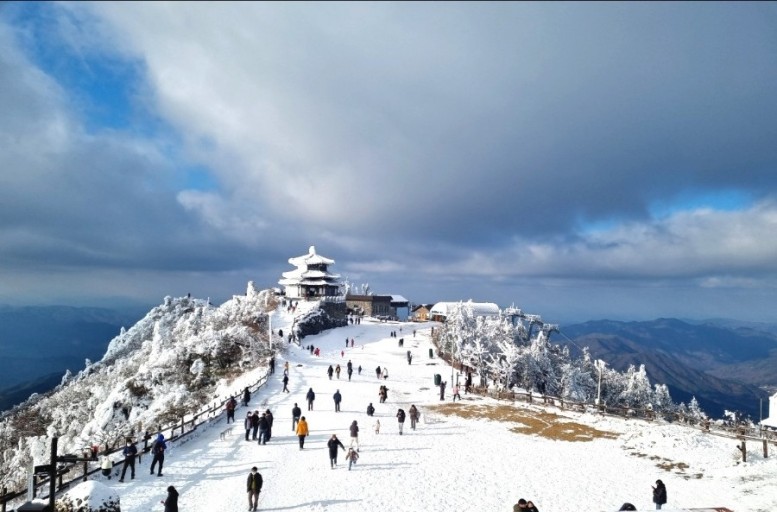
x: 579, y: 160
x: 448, y: 462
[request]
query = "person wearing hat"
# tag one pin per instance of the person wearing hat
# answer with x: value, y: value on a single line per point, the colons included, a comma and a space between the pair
x: 254, y: 487
x: 659, y: 494
x: 158, y: 451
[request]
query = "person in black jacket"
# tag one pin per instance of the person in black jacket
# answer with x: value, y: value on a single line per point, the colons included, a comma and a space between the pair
x: 254, y: 425
x: 246, y: 396
x: 130, y: 452
x: 285, y: 383
x: 296, y: 412
x: 354, y: 435
x: 263, y: 427
x: 370, y: 410
x: 311, y: 396
x: 332, y: 444
x: 659, y: 494
x: 270, y: 419
x: 254, y: 487
x: 171, y: 503
x: 401, y: 419
x: 337, y: 398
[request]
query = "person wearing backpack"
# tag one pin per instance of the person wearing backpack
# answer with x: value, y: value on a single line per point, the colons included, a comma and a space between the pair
x: 158, y: 450
x: 231, y: 404
x: 400, y: 419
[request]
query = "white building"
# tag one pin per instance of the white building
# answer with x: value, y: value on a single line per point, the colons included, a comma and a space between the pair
x: 441, y: 310
x: 771, y: 421
x: 311, y: 279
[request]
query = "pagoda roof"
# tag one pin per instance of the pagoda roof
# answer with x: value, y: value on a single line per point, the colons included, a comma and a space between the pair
x: 311, y: 258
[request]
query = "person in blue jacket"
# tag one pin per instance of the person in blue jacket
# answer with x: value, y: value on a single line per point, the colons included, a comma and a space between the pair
x: 130, y: 451
x: 158, y: 451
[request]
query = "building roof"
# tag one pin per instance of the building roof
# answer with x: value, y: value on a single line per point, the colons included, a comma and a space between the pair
x: 311, y: 258
x: 398, y: 298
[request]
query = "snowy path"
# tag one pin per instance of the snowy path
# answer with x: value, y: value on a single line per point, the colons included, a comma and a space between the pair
x: 448, y: 464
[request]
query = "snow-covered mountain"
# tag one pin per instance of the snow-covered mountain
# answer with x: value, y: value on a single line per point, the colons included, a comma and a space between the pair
x: 477, y: 452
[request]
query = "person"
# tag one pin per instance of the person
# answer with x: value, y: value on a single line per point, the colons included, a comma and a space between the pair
x: 272, y: 365
x: 270, y: 419
x: 377, y: 372
x: 106, y: 465
x: 302, y: 431
x: 370, y: 410
x: 456, y: 393
x: 130, y: 451
x: 231, y: 404
x: 376, y: 426
x: 627, y: 506
x: 530, y: 507
x: 296, y: 412
x: 337, y: 398
x: 254, y: 487
x: 400, y: 419
x: 520, y: 506
x: 354, y: 434
x: 263, y: 426
x: 413, y: 416
x: 310, y: 397
x: 171, y: 503
x: 248, y: 423
x: 338, y: 370
x: 359, y: 369
x: 442, y: 390
x: 285, y: 383
x: 659, y: 494
x: 332, y: 444
x: 254, y: 425
x: 352, y: 456
x: 330, y: 371
x: 409, y: 357
x: 286, y: 367
x: 246, y: 396
x: 158, y: 451
x: 385, y: 373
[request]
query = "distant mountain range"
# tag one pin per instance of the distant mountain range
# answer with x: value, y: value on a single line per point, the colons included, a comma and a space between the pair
x: 39, y: 343
x: 725, y: 364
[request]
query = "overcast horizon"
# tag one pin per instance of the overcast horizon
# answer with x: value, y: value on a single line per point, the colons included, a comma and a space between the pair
x: 578, y: 160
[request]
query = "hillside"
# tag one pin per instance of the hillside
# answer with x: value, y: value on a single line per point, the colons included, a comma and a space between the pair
x: 474, y: 453
x: 724, y: 369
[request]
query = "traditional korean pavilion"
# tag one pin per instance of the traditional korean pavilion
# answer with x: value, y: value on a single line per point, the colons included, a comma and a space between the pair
x: 311, y: 280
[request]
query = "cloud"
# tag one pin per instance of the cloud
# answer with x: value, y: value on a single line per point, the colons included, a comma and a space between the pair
x: 434, y: 146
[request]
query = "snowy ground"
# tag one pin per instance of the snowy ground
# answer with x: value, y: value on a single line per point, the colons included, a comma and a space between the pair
x: 448, y: 463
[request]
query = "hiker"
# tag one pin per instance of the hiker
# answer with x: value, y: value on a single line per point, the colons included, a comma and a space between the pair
x: 130, y: 451
x: 409, y: 357
x: 158, y: 450
x: 310, y: 397
x: 330, y: 371
x: 171, y: 503
x: 354, y: 434
x: 263, y: 427
x: 456, y: 393
x: 659, y: 494
x: 248, y: 424
x: 254, y: 425
x: 530, y: 507
x: 413, y: 416
x: 285, y: 383
x: 296, y: 412
x: 246, y: 396
x: 370, y: 410
x: 442, y: 390
x: 385, y: 373
x: 352, y: 456
x: 254, y: 487
x: 272, y: 365
x: 376, y: 426
x: 302, y: 431
x: 332, y: 444
x: 106, y: 465
x: 400, y: 419
x: 231, y: 404
x: 337, y: 398
x: 337, y: 371
x: 360, y: 369
x: 377, y: 372
x: 270, y: 419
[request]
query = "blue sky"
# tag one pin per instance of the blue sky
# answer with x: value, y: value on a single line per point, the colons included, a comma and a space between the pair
x: 580, y: 160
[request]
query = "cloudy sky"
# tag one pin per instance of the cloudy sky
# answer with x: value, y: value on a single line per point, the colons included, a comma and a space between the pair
x: 580, y: 160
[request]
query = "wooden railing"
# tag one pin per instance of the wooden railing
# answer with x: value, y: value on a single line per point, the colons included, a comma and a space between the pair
x: 181, y: 429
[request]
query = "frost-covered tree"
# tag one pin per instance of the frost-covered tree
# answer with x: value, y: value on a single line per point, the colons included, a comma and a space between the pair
x: 637, y: 391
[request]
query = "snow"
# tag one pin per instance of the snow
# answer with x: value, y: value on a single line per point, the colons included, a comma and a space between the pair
x: 450, y: 463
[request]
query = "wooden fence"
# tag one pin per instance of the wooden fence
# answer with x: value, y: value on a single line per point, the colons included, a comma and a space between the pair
x: 181, y: 429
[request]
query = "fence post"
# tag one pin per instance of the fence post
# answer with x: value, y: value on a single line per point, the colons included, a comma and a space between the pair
x: 2, y: 499
x: 766, y: 449
x: 183, y: 425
